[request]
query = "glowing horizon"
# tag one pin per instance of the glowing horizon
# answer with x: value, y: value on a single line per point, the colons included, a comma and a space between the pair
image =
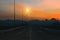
x: 31, y: 9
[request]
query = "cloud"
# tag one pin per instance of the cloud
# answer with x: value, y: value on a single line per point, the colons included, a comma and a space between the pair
x: 7, y: 10
x: 42, y: 4
x: 49, y: 4
x: 45, y: 4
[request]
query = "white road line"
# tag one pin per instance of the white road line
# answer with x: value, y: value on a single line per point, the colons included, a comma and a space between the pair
x: 11, y: 29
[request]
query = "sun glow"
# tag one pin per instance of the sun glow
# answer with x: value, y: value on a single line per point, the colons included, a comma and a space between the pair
x: 27, y: 10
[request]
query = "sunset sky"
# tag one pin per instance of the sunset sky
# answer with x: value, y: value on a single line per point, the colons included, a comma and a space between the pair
x: 30, y: 9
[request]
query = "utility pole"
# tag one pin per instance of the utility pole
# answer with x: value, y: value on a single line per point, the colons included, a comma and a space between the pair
x: 14, y: 11
x: 22, y: 17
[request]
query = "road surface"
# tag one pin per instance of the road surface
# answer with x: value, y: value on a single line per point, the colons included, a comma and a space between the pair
x: 28, y: 33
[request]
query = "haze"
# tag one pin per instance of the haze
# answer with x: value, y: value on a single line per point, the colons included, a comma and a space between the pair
x: 38, y: 9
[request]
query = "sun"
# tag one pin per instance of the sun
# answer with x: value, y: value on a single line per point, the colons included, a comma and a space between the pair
x: 27, y: 10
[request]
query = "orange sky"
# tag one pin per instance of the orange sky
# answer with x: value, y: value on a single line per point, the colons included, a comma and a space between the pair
x: 46, y: 9
x: 37, y: 13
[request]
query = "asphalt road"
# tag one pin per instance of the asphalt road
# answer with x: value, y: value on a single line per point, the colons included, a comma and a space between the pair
x: 16, y: 34
x: 28, y: 33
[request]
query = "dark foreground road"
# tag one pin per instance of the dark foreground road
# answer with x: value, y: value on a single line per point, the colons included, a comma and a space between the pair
x: 28, y: 33
x: 40, y: 34
x: 16, y: 34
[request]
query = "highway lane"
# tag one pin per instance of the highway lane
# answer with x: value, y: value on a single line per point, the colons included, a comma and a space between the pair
x: 28, y: 33
x: 11, y: 29
x: 16, y: 34
x: 40, y: 34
